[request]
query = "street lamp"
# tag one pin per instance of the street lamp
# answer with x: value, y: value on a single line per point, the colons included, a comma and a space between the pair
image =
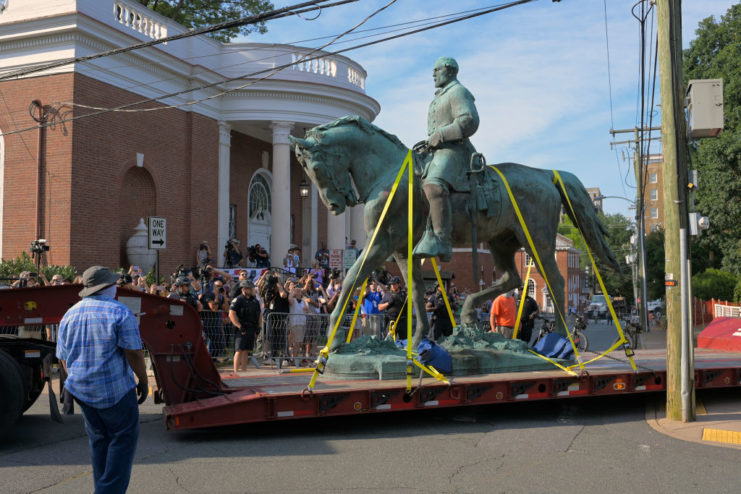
x: 304, y: 189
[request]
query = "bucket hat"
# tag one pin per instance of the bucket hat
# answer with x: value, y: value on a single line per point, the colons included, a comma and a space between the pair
x: 95, y: 278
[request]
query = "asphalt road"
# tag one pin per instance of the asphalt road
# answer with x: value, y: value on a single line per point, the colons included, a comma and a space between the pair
x: 585, y: 446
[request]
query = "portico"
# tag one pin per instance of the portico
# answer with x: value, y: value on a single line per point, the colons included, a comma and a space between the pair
x: 229, y: 161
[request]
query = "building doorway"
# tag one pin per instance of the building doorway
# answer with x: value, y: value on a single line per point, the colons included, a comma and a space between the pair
x: 259, y: 219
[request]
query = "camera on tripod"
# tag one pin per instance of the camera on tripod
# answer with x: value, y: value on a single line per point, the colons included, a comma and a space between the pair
x: 39, y: 246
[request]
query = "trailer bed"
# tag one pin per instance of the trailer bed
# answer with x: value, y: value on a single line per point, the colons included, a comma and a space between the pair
x: 262, y: 395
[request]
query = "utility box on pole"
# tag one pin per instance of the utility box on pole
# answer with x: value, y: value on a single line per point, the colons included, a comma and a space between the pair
x: 705, y: 107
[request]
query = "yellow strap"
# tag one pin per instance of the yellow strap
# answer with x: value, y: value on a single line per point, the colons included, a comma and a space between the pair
x: 522, y: 301
x: 357, y: 309
x: 324, y: 353
x: 565, y: 369
x: 396, y: 322
x: 442, y: 289
x: 431, y: 371
x: 410, y: 279
x: 557, y: 180
x: 537, y: 260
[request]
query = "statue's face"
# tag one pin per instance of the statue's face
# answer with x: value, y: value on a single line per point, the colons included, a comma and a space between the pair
x: 441, y: 75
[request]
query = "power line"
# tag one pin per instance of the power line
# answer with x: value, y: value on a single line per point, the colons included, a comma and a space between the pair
x: 609, y: 76
x: 253, y: 19
x: 275, y: 69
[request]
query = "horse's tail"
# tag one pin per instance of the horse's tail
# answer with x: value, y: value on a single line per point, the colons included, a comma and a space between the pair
x: 593, y: 230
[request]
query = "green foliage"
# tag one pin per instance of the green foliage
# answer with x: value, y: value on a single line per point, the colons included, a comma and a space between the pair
x: 715, y: 53
x: 714, y: 283
x: 202, y: 13
x: 737, y: 292
x: 11, y: 268
x: 619, y: 284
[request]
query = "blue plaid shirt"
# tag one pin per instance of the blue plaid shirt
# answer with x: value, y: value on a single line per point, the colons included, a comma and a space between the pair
x: 92, y: 336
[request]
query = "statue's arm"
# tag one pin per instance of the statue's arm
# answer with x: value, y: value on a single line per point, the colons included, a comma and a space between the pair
x: 465, y: 117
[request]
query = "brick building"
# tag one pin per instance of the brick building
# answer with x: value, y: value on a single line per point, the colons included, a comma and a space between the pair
x: 654, y: 194
x: 567, y: 258
x: 215, y: 161
x: 216, y: 164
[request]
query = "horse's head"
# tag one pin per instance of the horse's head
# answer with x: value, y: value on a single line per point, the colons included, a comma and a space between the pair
x: 327, y: 165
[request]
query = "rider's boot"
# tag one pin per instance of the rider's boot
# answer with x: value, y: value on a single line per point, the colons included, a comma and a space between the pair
x: 436, y: 240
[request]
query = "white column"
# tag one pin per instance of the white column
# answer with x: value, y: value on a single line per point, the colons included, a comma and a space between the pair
x: 225, y: 140
x: 335, y: 231
x: 357, y: 229
x: 314, y: 220
x: 281, y: 193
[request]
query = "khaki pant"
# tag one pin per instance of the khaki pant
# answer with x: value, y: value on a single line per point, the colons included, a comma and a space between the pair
x: 506, y: 331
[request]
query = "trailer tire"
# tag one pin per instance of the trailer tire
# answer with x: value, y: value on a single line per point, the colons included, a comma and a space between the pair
x: 12, y: 395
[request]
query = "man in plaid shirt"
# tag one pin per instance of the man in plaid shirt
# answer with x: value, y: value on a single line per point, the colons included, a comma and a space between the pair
x: 99, y: 346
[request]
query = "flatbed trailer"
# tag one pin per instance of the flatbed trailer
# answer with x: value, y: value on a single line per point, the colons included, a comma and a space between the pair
x: 197, y: 396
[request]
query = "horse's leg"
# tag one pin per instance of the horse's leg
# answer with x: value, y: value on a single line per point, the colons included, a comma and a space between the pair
x: 503, y: 255
x: 556, y: 281
x: 423, y: 326
x: 376, y: 255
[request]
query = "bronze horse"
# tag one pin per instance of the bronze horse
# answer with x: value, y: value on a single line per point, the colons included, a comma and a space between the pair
x: 351, y: 151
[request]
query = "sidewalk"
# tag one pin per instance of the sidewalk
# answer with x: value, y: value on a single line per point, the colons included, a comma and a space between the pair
x: 718, y: 414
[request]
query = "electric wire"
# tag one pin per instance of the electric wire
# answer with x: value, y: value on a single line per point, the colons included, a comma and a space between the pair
x: 277, y: 68
x: 253, y: 19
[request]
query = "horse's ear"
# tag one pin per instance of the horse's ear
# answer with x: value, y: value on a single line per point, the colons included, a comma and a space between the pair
x: 299, y: 143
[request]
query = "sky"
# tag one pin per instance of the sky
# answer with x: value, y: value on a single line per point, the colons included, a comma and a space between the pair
x: 538, y: 71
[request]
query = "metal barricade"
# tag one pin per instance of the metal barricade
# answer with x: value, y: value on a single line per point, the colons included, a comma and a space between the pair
x: 45, y: 332
x: 218, y: 333
x: 297, y: 338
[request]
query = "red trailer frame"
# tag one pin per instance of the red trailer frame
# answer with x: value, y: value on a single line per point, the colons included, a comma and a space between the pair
x: 197, y: 396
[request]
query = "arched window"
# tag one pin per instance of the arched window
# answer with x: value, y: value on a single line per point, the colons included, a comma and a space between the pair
x: 259, y: 197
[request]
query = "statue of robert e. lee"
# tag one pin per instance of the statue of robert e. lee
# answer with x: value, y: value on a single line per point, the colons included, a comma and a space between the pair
x: 451, y: 119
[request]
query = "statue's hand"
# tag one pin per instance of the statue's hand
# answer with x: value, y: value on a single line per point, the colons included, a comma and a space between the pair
x: 435, y: 139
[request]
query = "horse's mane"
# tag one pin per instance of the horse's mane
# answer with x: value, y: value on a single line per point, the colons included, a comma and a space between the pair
x: 361, y: 123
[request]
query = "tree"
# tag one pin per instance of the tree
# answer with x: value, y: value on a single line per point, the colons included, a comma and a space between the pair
x: 201, y: 13
x: 618, y: 284
x: 715, y: 54
x: 713, y: 283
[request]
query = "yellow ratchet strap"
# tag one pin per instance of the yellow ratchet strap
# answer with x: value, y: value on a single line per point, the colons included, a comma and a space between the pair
x: 431, y: 371
x: 557, y: 181
x: 442, y: 289
x: 396, y: 322
x: 522, y: 301
x: 357, y: 309
x: 321, y: 361
x: 410, y: 279
x: 537, y: 260
x: 565, y: 369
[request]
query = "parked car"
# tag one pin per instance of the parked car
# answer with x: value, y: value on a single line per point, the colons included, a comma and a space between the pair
x: 656, y: 306
x: 597, y: 307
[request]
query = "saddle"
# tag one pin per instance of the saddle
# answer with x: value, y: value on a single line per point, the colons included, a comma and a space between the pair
x: 484, y: 185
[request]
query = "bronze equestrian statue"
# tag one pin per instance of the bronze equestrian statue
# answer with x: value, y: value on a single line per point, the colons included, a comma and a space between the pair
x: 351, y: 161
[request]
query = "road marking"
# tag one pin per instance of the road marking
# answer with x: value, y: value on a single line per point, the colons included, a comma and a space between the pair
x: 721, y: 436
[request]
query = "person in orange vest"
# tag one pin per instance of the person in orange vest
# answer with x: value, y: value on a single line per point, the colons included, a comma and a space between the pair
x: 503, y: 315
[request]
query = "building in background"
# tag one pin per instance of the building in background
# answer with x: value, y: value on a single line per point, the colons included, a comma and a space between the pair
x: 596, y: 196
x: 567, y: 258
x: 654, y: 196
x: 215, y: 162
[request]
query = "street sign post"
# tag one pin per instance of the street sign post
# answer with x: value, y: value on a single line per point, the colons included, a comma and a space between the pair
x: 157, y: 239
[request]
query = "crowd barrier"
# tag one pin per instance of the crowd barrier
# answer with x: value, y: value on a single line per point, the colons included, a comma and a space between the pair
x: 297, y: 338
x: 46, y: 332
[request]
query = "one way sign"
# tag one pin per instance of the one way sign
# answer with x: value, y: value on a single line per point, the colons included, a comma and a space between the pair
x: 157, y: 232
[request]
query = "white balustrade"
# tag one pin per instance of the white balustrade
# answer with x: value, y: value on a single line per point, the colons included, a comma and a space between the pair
x: 137, y: 20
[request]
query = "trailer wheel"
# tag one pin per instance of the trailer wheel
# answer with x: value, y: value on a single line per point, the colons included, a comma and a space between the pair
x: 11, y: 391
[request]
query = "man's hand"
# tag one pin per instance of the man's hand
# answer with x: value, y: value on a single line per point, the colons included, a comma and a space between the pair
x: 142, y: 391
x: 435, y: 139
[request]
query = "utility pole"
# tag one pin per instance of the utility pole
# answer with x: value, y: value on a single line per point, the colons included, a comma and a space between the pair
x: 680, y: 403
x: 639, y: 163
